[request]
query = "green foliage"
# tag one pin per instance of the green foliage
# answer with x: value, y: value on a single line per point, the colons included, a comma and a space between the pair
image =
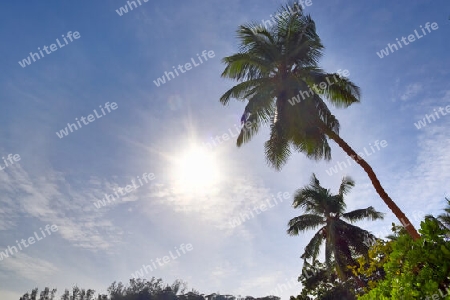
x: 45, y: 294
x: 137, y: 289
x: 320, y: 283
x: 143, y: 289
x: 370, y: 268
x: 413, y: 269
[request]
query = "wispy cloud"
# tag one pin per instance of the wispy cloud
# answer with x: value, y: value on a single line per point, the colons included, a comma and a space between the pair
x: 50, y: 198
x: 424, y: 186
x: 28, y: 267
x: 411, y: 90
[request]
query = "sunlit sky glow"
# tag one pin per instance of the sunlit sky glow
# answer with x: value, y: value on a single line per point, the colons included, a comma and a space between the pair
x: 200, y: 187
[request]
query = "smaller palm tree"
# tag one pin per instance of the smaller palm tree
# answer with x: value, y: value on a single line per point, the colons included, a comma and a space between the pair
x: 343, y: 241
x: 445, y: 217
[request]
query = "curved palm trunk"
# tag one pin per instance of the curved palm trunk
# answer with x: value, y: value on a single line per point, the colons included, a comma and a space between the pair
x: 375, y: 182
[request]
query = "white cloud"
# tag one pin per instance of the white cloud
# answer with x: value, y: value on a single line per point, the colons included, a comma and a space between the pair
x: 52, y: 200
x: 411, y: 91
x: 29, y: 267
x: 425, y: 185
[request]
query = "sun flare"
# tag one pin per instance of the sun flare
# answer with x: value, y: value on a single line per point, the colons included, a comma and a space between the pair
x: 196, y: 169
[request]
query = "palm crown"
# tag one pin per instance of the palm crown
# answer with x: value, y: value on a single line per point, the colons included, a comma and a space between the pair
x: 273, y: 66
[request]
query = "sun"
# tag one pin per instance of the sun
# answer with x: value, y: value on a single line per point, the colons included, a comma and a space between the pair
x: 196, y: 169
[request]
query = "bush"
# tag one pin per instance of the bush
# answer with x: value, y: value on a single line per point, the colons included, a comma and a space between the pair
x: 412, y: 269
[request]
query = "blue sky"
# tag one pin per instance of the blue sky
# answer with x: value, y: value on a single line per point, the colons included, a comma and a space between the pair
x: 154, y: 129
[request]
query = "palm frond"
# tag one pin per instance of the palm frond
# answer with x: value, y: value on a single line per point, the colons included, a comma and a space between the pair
x: 312, y: 250
x: 313, y: 198
x: 360, y: 214
x: 244, y: 66
x: 346, y: 185
x: 303, y: 223
x: 340, y: 91
x: 277, y: 148
x: 241, y: 91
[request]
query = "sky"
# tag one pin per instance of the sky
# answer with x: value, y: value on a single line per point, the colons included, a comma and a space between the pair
x: 166, y: 155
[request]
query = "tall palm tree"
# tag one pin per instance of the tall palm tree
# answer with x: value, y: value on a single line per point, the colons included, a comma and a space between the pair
x: 277, y: 67
x: 343, y: 241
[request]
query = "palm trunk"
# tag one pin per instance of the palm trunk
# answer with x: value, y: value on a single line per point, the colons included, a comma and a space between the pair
x: 375, y: 182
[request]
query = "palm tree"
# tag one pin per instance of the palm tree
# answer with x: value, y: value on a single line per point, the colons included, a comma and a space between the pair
x: 275, y: 68
x: 445, y: 217
x: 343, y: 241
